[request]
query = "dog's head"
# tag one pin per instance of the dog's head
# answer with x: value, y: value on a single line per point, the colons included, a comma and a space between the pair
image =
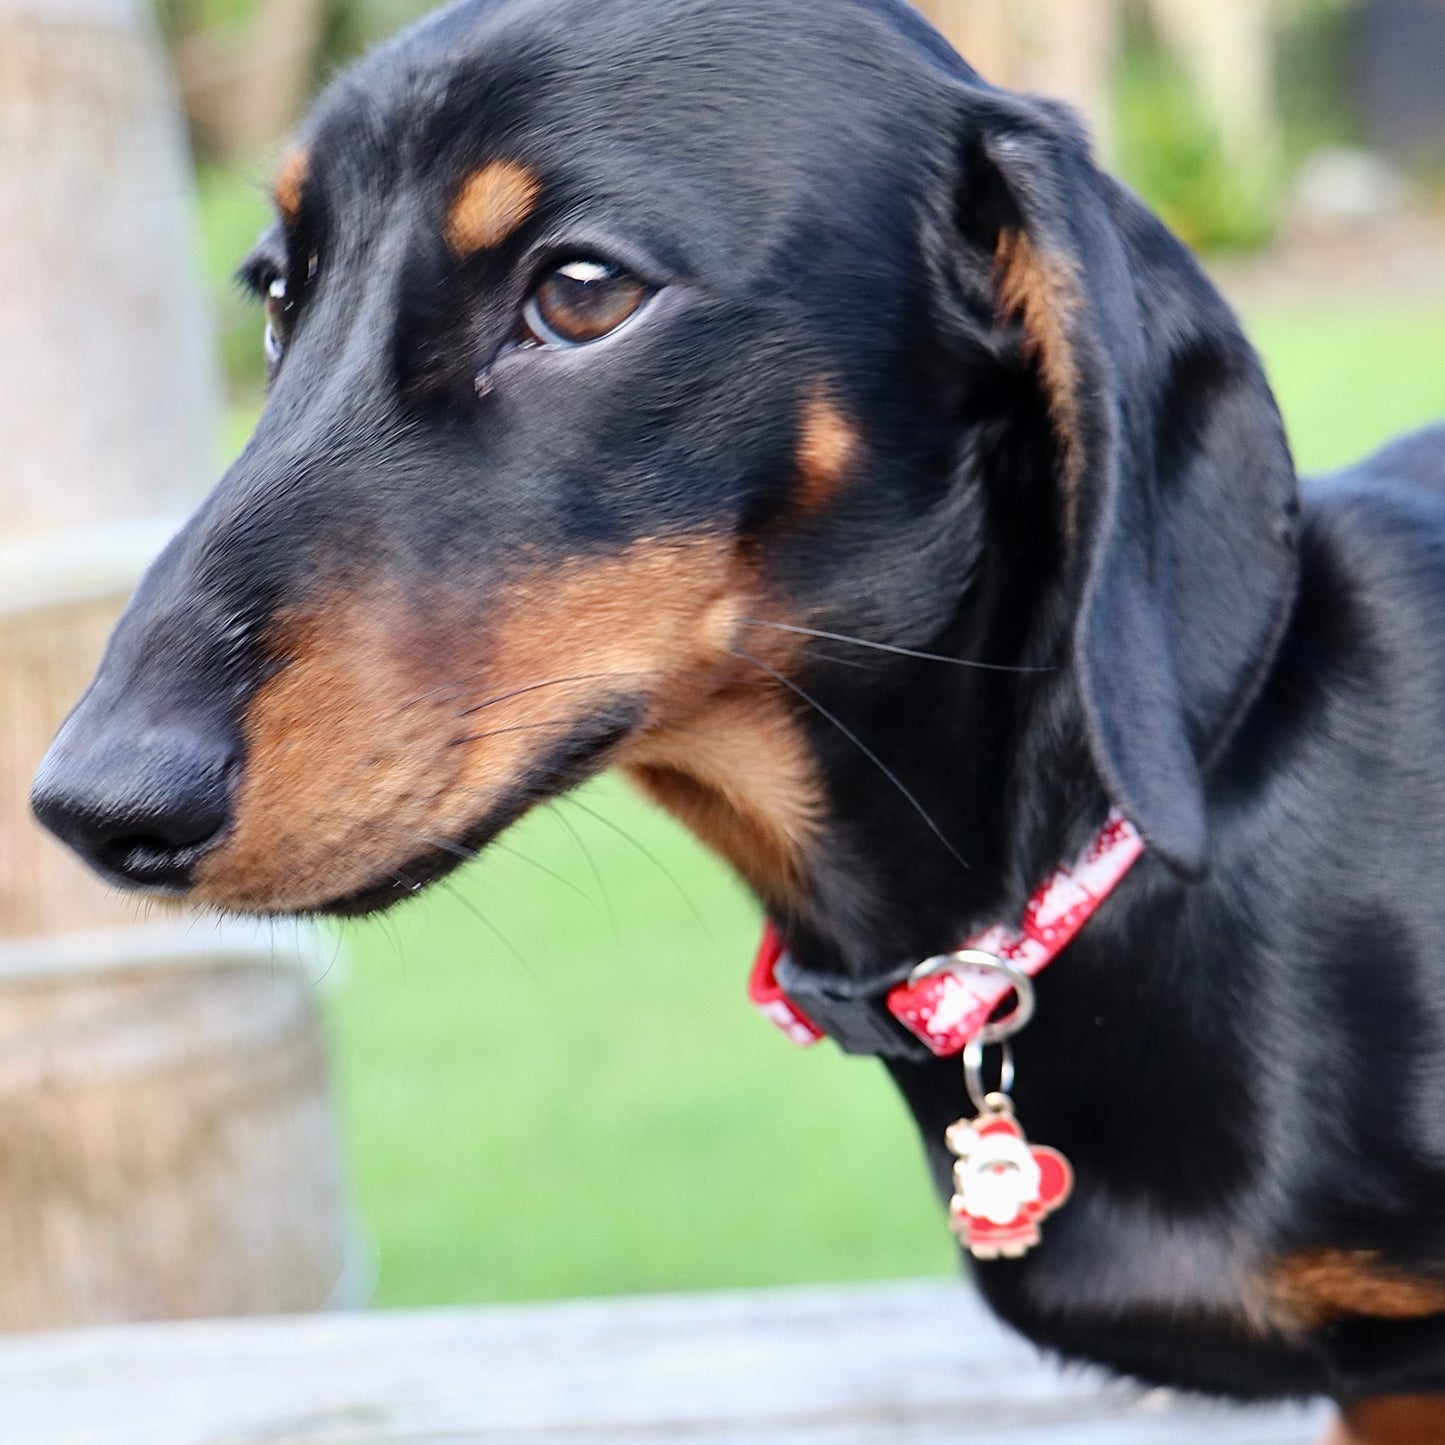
x: 621, y: 347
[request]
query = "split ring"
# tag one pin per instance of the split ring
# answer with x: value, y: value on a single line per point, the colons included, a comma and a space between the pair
x: 973, y: 958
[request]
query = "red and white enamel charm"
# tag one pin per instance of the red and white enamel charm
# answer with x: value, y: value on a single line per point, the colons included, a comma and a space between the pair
x: 1003, y: 1185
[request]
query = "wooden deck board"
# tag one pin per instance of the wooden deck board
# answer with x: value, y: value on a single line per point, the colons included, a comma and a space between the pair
x: 917, y: 1364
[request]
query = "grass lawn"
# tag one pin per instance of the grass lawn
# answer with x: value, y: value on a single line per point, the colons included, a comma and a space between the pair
x: 600, y: 1110
x: 591, y: 1106
x: 1349, y: 377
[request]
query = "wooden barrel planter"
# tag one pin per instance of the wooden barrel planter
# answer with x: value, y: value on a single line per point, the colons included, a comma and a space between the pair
x: 167, y: 1147
x: 59, y: 598
x: 167, y: 1142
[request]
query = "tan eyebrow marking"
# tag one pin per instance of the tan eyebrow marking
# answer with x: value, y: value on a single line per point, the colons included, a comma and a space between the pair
x: 826, y: 447
x: 290, y: 182
x: 490, y: 205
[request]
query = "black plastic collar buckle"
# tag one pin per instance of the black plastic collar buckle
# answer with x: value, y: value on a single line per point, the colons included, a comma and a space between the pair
x: 853, y: 1014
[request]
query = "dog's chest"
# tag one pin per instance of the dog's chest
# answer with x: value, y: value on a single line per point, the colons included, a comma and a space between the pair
x: 1173, y: 1302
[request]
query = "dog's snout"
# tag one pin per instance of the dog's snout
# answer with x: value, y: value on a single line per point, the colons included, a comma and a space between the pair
x: 141, y: 807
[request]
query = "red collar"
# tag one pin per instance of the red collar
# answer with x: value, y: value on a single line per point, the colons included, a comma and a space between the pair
x: 946, y: 1010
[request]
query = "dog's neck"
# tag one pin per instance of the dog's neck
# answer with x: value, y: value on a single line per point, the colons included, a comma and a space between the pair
x: 963, y: 786
x: 935, y: 782
x: 988, y: 788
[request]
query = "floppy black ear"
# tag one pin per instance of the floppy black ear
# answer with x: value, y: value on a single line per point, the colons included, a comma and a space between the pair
x: 1177, y: 492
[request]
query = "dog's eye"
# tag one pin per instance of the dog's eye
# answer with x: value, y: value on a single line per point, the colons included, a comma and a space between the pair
x: 583, y: 301
x: 279, y: 311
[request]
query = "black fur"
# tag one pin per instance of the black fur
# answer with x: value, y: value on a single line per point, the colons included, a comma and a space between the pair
x: 1244, y: 1053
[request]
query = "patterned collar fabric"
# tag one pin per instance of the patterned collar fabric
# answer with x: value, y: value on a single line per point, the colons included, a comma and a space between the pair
x: 946, y: 1010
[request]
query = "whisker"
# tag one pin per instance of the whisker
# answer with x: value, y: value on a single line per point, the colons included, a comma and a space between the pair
x: 470, y: 855
x: 596, y: 872
x: 461, y: 686
x: 678, y: 729
x: 515, y: 728
x: 646, y: 853
x: 889, y: 647
x: 514, y: 852
x: 457, y: 850
x: 540, y: 686
x: 862, y: 748
x: 326, y: 972
x: 491, y: 928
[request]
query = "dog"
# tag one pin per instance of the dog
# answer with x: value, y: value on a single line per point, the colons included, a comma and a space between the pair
x: 750, y: 397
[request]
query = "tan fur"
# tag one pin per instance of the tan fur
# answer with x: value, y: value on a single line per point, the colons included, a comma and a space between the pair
x: 1040, y: 292
x: 395, y: 725
x: 826, y: 448
x: 291, y: 182
x: 1325, y: 1286
x: 740, y: 777
x: 1398, y: 1420
x: 490, y: 205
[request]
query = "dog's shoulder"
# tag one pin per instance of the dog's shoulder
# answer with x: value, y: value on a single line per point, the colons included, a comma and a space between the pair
x: 1415, y: 462
x: 1368, y: 630
x: 1386, y: 510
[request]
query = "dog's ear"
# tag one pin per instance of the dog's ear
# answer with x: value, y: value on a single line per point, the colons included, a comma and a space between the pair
x: 1176, y: 493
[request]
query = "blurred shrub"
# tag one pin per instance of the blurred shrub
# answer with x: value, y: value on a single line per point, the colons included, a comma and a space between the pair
x: 1172, y: 154
x: 355, y: 24
x: 349, y: 26
x: 177, y: 16
x: 247, y: 67
x: 234, y: 210
x: 1313, y: 81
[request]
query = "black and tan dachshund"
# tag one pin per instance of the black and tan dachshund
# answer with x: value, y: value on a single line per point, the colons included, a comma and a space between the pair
x: 749, y: 396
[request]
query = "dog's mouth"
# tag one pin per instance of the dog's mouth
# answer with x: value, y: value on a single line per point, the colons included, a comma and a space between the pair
x: 580, y: 757
x: 398, y: 736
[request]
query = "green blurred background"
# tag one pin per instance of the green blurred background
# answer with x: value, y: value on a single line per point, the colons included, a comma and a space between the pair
x: 549, y: 1077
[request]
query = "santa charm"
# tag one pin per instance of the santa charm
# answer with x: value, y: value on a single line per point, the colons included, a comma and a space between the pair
x: 1003, y: 1185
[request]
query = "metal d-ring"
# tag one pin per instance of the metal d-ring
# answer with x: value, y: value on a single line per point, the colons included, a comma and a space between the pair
x: 1022, y: 985
x: 998, y: 1031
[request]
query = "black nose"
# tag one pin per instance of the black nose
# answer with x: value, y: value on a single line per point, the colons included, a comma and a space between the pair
x: 140, y: 806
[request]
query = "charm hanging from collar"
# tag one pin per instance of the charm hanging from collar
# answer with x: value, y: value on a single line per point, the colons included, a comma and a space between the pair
x: 1003, y: 1185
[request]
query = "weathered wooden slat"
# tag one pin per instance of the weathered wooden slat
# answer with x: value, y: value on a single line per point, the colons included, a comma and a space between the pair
x: 916, y: 1364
